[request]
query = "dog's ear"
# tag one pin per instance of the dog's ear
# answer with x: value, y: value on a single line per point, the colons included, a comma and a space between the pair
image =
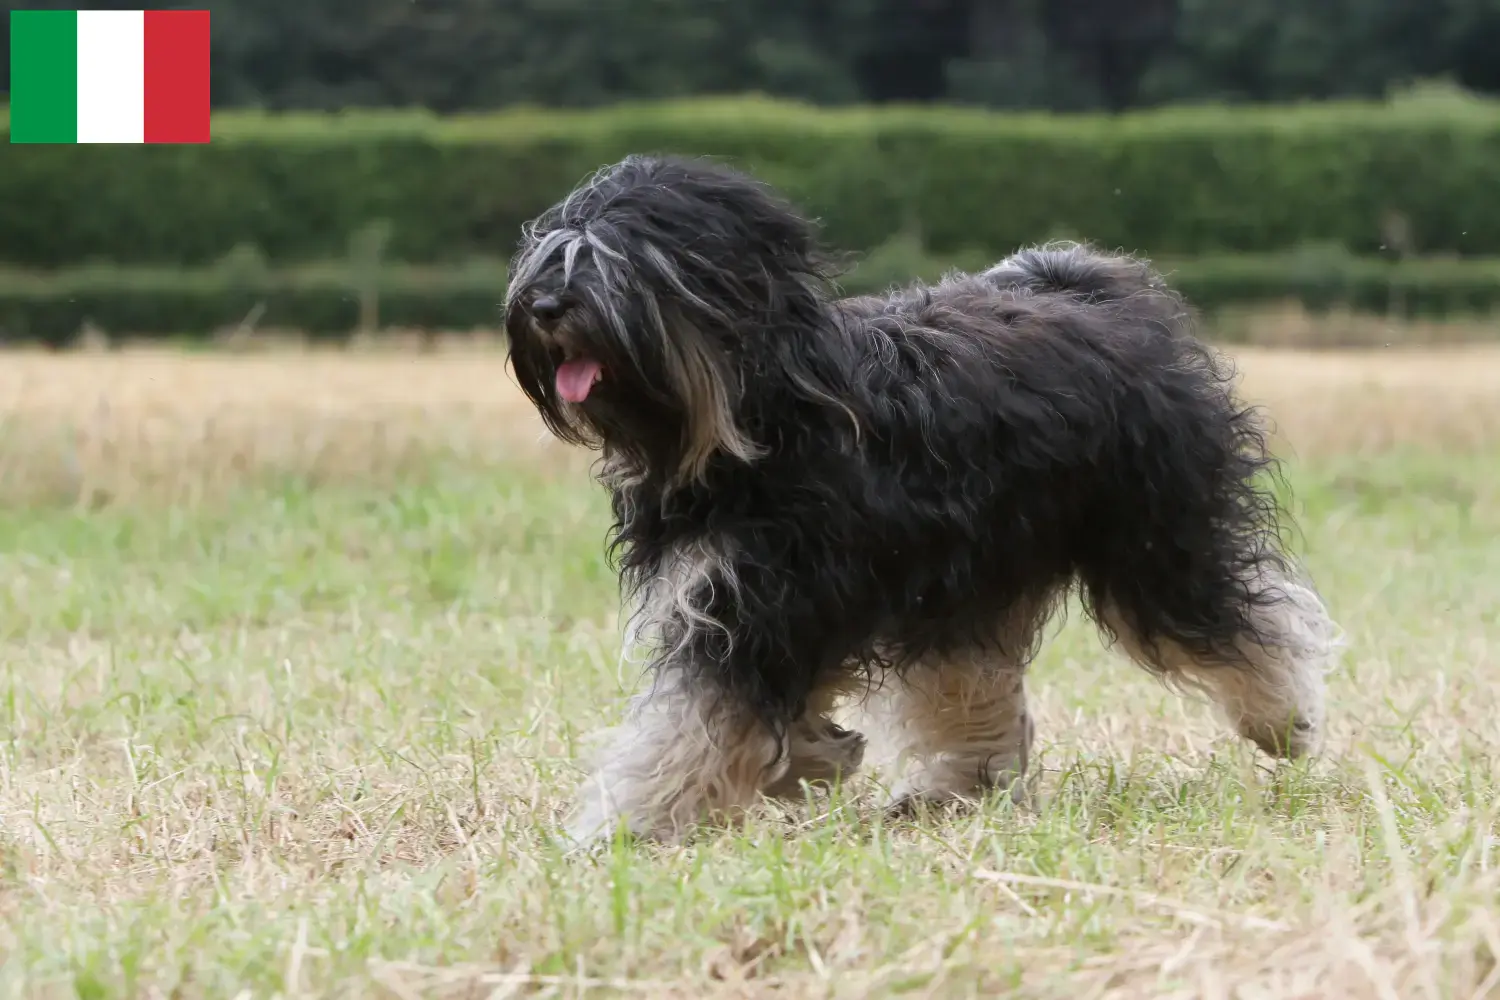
x: 709, y: 399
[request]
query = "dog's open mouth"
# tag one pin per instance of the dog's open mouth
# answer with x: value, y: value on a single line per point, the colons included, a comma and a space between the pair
x: 576, y: 377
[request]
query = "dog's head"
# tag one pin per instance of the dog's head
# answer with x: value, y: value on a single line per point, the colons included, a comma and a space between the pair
x: 643, y: 307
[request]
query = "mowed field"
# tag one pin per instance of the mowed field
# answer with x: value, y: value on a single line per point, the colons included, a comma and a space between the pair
x: 297, y: 651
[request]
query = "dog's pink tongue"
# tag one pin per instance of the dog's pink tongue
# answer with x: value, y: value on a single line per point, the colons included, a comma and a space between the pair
x: 576, y: 377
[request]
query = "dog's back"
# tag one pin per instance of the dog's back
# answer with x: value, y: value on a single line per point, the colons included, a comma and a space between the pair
x: 1074, y: 269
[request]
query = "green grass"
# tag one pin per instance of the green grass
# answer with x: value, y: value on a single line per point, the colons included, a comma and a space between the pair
x: 316, y: 742
x: 1421, y: 104
x: 1424, y: 102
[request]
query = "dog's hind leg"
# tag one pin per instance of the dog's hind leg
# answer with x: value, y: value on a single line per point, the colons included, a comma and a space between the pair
x: 1270, y: 681
x: 950, y: 728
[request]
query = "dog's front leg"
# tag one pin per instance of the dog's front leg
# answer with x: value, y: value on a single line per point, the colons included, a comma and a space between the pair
x: 744, y: 672
x: 688, y: 751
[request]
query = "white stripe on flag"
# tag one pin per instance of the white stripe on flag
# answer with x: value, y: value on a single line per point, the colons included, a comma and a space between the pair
x: 111, y: 76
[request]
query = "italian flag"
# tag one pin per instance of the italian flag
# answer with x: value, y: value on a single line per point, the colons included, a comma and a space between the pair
x: 131, y: 76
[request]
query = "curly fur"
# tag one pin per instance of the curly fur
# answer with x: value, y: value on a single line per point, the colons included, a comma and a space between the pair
x: 810, y: 492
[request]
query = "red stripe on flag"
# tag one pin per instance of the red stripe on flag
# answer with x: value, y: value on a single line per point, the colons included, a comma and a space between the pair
x: 177, y: 46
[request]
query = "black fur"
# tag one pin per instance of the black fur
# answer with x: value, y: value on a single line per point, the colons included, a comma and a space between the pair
x: 921, y: 465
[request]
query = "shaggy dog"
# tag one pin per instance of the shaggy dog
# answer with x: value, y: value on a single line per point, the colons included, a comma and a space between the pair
x: 884, y: 499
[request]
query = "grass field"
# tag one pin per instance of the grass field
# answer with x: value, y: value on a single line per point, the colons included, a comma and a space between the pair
x: 295, y: 652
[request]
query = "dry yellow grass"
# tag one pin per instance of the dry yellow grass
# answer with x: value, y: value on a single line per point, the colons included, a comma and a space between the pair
x: 117, y: 425
x: 313, y: 742
x: 1292, y: 326
x: 150, y: 422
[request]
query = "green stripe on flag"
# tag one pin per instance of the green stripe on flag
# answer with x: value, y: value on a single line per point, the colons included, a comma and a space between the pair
x: 43, y: 76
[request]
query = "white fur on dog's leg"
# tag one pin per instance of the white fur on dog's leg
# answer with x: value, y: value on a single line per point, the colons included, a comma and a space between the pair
x: 1277, y: 697
x: 1286, y: 713
x: 950, y: 730
x: 685, y: 753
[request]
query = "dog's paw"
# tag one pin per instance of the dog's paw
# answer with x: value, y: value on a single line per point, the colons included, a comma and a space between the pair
x: 586, y: 841
x: 1302, y: 737
x: 904, y: 805
x: 946, y: 780
x: 594, y: 824
x: 834, y: 756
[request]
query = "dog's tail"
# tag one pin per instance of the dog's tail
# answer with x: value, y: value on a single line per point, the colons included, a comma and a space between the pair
x: 1076, y: 269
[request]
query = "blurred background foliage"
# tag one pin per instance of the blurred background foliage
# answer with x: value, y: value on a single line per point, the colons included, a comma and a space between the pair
x: 1333, y: 152
x: 1062, y: 55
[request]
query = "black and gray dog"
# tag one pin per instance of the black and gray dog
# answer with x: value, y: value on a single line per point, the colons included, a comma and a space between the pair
x: 881, y: 501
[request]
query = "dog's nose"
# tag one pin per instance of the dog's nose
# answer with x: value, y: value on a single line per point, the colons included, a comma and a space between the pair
x: 549, y: 308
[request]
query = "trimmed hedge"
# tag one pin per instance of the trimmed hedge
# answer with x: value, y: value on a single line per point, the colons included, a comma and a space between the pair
x: 324, y: 301
x: 1181, y: 182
